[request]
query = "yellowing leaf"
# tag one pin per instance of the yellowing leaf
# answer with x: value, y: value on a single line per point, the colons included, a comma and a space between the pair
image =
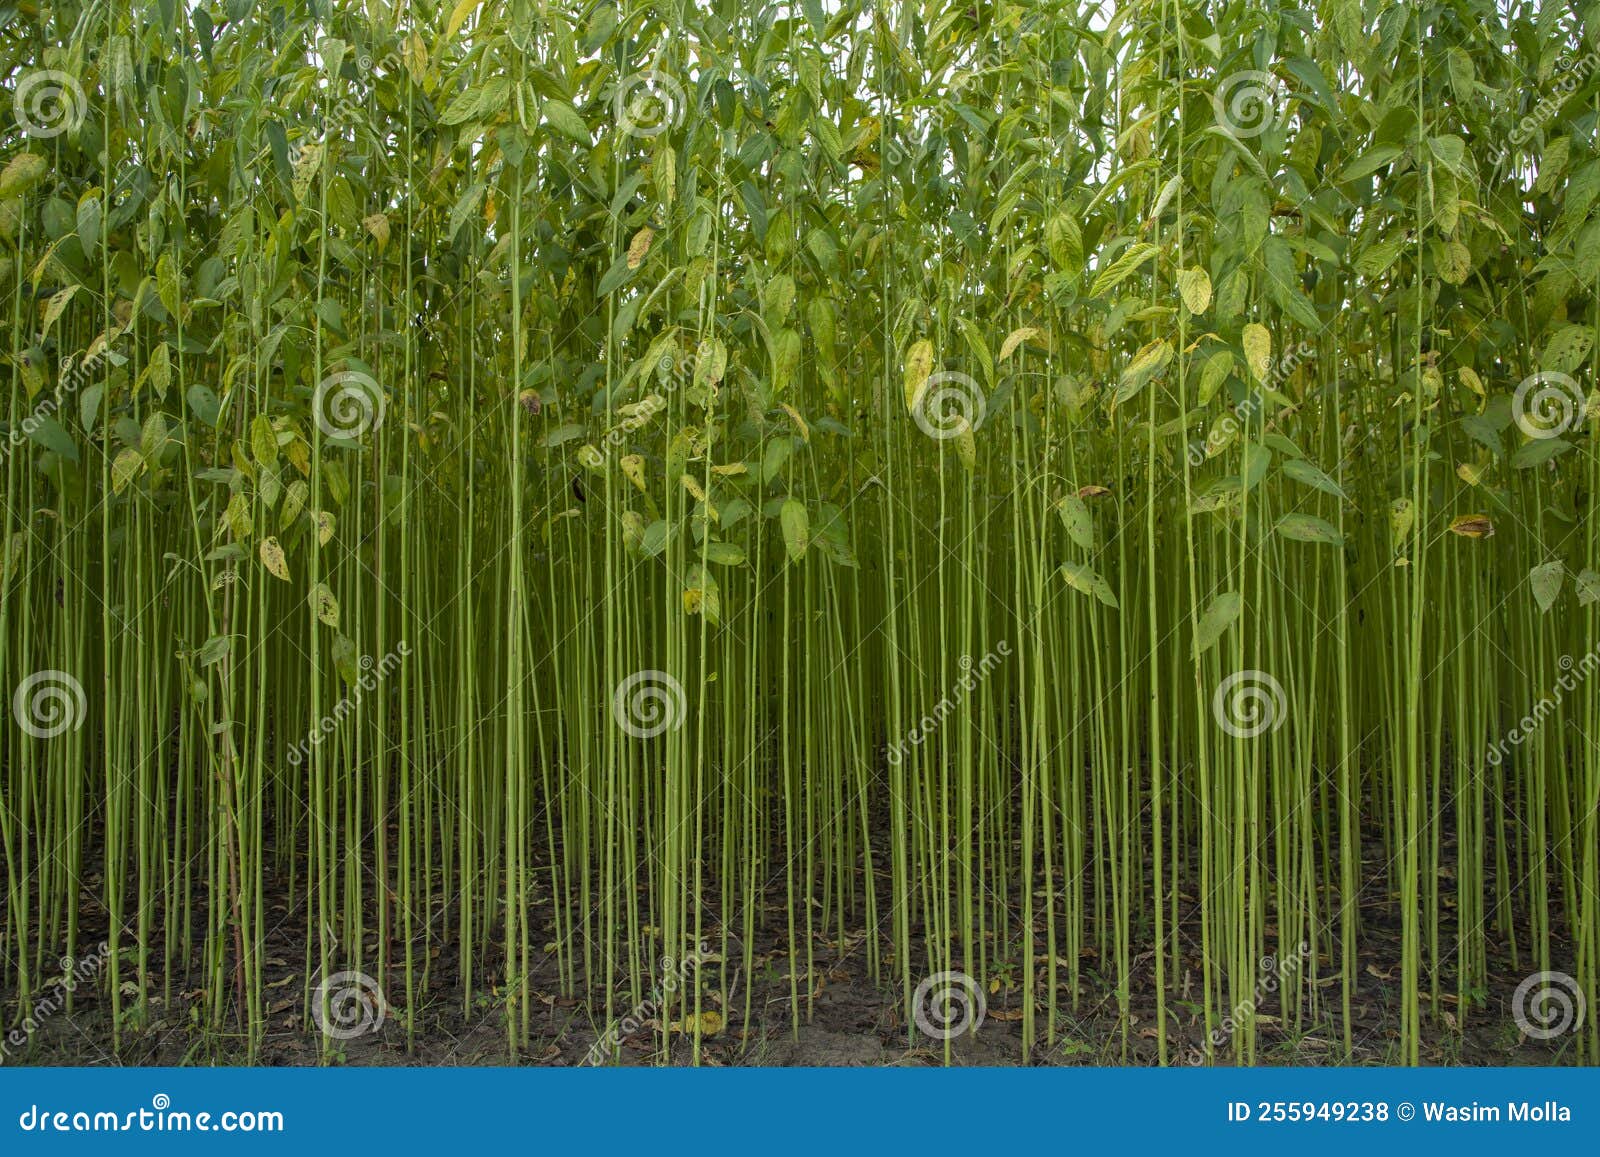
x: 1472, y: 526
x: 57, y: 304
x: 272, y: 558
x: 1015, y: 338
x: 799, y: 422
x: 709, y: 1023
x: 378, y: 226
x: 1194, y: 286
x: 919, y: 364
x: 796, y: 528
x: 125, y: 469
x: 1086, y: 580
x: 264, y: 441
x: 639, y: 247
x: 1258, y: 350
x: 324, y: 605
x: 458, y: 16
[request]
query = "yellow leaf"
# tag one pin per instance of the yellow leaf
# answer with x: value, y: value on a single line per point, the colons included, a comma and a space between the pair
x: 799, y: 422
x: 272, y: 558
x: 1015, y: 338
x: 53, y: 310
x: 709, y: 1023
x: 1472, y: 526
x: 125, y: 469
x: 1258, y: 350
x: 633, y: 470
x: 378, y: 226
x: 1194, y: 285
x: 1469, y: 473
x: 458, y: 17
x: 639, y: 247
x: 919, y: 364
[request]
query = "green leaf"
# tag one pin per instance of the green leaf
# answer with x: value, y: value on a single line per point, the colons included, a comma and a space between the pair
x: 1587, y: 583
x: 565, y: 119
x: 796, y: 528
x: 1545, y: 582
x: 725, y: 553
x: 655, y: 538
x: 1566, y: 349
x: 1122, y: 268
x: 1306, y: 474
x: 1075, y: 517
x: 1538, y: 452
x: 214, y: 650
x: 204, y: 405
x: 1084, y: 579
x: 1218, y: 617
x: 1369, y: 162
x: 264, y: 441
x: 1257, y: 459
x: 47, y: 432
x: 1308, y: 528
